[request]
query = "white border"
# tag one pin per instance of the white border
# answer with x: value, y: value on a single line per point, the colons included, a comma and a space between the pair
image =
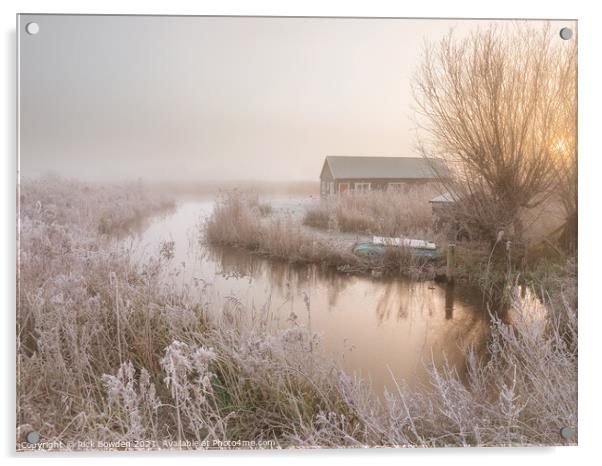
x: 590, y: 197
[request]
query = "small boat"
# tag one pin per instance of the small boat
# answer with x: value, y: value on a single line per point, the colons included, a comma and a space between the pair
x: 379, y: 245
x: 407, y: 242
x: 428, y: 253
x: 369, y: 249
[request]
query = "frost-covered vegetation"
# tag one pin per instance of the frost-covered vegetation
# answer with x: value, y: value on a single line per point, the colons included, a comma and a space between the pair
x: 239, y: 219
x: 102, y: 208
x: 388, y: 213
x: 107, y: 350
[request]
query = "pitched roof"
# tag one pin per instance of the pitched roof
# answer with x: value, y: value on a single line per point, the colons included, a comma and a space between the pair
x: 383, y: 167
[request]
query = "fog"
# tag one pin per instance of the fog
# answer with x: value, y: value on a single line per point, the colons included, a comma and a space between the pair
x: 197, y: 98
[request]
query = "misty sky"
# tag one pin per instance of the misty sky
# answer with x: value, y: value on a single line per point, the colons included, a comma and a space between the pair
x: 216, y: 98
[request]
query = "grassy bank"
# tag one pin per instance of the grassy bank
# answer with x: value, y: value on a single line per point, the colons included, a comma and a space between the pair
x: 107, y: 351
x: 240, y: 220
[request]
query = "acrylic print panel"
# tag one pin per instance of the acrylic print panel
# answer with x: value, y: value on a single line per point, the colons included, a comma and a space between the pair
x: 260, y: 233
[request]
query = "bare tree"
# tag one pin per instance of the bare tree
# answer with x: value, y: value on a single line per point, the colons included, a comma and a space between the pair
x: 565, y: 149
x: 490, y: 106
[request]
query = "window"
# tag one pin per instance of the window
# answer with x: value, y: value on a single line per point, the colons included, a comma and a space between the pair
x: 343, y: 187
x: 362, y: 186
x: 395, y: 186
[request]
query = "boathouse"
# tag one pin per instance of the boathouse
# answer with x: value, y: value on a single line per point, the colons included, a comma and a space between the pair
x: 346, y: 173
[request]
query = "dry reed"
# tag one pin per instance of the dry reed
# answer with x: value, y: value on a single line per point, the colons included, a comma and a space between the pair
x: 387, y: 213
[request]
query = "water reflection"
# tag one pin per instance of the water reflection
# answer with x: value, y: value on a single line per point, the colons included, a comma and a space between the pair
x: 366, y: 324
x: 449, y: 301
x: 395, y: 297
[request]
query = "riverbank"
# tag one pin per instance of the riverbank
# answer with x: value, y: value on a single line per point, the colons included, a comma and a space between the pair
x: 325, y: 233
x: 128, y: 355
x: 240, y: 220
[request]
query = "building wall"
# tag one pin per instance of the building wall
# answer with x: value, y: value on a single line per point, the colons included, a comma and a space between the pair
x: 375, y: 184
x: 330, y: 185
x: 327, y: 183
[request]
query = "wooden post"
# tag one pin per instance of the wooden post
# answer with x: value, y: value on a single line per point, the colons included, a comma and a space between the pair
x: 451, y: 262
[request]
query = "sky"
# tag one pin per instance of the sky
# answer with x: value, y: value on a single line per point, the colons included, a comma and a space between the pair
x: 201, y: 98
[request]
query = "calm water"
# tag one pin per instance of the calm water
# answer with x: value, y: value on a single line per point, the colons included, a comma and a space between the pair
x: 367, y: 325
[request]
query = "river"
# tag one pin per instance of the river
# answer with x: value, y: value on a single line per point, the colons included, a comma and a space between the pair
x: 374, y: 327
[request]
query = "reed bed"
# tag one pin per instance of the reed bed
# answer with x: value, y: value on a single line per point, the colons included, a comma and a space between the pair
x: 387, y: 213
x: 111, y: 354
x: 239, y: 219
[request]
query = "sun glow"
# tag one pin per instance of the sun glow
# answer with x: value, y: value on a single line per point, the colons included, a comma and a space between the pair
x: 560, y: 145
